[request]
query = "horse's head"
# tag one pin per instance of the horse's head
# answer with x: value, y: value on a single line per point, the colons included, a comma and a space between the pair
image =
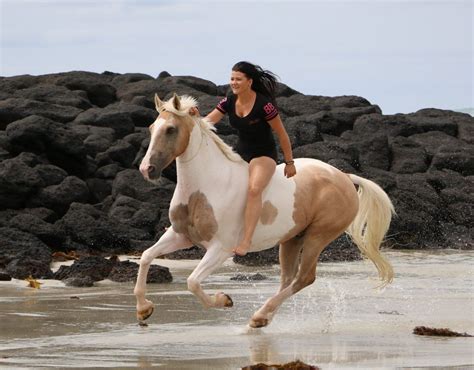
x: 170, y: 134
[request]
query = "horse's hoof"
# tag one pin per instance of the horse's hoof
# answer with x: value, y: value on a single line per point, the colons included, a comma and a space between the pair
x: 258, y: 323
x: 145, y: 314
x: 229, y: 302
x: 224, y: 300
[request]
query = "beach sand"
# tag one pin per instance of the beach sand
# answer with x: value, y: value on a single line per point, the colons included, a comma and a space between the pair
x: 340, y: 322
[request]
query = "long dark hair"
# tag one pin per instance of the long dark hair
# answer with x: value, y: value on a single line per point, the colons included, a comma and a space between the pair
x: 263, y: 81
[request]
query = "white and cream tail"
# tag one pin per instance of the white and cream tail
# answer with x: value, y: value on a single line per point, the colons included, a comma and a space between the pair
x: 371, y: 224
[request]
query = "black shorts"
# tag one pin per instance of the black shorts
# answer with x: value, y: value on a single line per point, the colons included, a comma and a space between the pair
x: 248, y: 153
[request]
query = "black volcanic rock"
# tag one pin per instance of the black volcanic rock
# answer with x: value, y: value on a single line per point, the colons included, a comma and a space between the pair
x: 137, y: 214
x: 98, y: 87
x: 19, y: 244
x: 262, y: 258
x: 62, y: 146
x: 91, y: 227
x: 191, y: 253
x: 23, y: 254
x: 132, y: 184
x: 50, y: 174
x: 126, y: 78
x: 48, y: 233
x: 120, y: 152
x: 10, y: 85
x: 54, y: 94
x: 194, y: 83
x: 431, y: 141
x: 95, y: 139
x: 304, y: 130
x: 408, y: 156
x: 121, y: 122
x: 372, y: 151
x: 459, y: 159
x: 14, y: 109
x: 18, y: 181
x: 94, y: 267
x: 142, y: 88
x: 326, y: 151
x: 71, y: 143
x: 127, y: 271
x: 59, y: 197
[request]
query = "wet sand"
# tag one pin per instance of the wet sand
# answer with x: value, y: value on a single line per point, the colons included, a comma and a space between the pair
x: 340, y: 322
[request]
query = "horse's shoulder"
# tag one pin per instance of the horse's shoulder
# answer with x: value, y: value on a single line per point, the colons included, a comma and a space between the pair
x: 194, y: 217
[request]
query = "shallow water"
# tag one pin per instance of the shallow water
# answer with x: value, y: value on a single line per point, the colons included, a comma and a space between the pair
x: 340, y: 322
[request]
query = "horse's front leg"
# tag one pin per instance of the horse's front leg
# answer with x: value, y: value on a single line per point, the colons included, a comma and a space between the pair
x: 169, y: 242
x: 213, y: 258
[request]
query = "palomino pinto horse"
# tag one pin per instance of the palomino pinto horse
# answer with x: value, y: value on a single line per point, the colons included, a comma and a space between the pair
x: 303, y: 214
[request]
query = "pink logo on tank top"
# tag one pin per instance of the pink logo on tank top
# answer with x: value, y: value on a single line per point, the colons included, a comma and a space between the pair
x: 269, y: 108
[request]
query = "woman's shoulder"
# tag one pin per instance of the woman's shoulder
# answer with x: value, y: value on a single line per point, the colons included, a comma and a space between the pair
x: 263, y: 97
x: 229, y: 98
x: 267, y: 106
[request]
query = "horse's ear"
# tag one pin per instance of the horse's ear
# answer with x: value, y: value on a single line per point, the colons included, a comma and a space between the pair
x: 176, y: 102
x: 158, y: 103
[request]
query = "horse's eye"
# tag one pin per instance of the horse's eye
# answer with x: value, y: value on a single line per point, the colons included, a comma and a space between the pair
x: 170, y: 130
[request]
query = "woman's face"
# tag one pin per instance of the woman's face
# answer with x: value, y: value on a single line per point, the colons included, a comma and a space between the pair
x: 239, y: 82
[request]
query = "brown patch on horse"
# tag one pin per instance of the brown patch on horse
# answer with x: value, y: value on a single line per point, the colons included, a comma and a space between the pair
x: 196, y: 219
x: 321, y: 205
x: 269, y: 213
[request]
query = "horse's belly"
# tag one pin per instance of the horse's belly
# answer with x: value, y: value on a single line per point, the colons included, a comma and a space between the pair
x: 276, y: 217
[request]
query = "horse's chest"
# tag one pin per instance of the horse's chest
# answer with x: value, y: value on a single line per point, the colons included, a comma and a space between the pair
x: 195, y: 219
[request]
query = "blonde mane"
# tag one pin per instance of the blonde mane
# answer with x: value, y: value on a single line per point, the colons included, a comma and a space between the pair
x: 209, y: 129
x: 188, y: 102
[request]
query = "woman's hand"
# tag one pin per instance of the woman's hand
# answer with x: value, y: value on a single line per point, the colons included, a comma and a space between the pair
x: 194, y: 111
x: 290, y: 170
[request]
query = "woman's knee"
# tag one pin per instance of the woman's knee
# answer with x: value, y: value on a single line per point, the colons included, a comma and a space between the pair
x: 254, y: 191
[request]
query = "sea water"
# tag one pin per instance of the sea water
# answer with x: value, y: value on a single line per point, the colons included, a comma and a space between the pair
x: 340, y: 322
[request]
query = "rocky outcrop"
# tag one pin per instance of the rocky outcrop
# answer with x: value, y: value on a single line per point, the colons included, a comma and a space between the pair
x: 85, y: 271
x: 70, y: 145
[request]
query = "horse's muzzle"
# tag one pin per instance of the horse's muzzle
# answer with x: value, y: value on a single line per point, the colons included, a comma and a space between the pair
x: 150, y: 172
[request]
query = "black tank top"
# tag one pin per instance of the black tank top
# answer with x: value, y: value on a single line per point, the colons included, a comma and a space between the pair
x: 255, y: 134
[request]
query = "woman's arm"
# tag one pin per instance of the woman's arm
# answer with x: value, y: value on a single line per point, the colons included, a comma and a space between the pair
x: 215, y: 116
x: 277, y: 125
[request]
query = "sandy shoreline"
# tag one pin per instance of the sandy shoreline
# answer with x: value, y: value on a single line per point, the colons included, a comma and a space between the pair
x: 340, y: 322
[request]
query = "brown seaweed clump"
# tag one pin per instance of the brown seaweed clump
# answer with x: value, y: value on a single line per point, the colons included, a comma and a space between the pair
x: 443, y: 332
x: 294, y: 365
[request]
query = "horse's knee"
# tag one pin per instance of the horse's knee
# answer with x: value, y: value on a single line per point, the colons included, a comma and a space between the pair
x: 146, y: 259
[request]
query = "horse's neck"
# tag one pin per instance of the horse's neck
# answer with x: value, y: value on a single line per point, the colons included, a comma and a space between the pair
x: 203, y: 165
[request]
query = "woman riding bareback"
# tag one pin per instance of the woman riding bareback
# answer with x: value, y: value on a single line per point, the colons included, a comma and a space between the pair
x: 251, y: 109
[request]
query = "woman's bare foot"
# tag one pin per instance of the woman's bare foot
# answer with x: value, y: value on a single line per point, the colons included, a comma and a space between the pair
x: 242, y: 248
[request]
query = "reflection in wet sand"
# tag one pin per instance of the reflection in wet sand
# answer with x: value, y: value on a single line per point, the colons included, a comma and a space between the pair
x: 339, y: 322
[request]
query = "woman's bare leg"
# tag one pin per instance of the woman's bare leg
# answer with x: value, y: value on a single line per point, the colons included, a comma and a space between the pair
x: 261, y: 170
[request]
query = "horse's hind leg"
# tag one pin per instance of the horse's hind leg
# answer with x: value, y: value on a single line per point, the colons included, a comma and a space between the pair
x: 289, y: 260
x: 312, y: 248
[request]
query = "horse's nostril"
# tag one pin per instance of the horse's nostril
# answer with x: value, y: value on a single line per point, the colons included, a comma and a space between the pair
x: 151, y: 169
